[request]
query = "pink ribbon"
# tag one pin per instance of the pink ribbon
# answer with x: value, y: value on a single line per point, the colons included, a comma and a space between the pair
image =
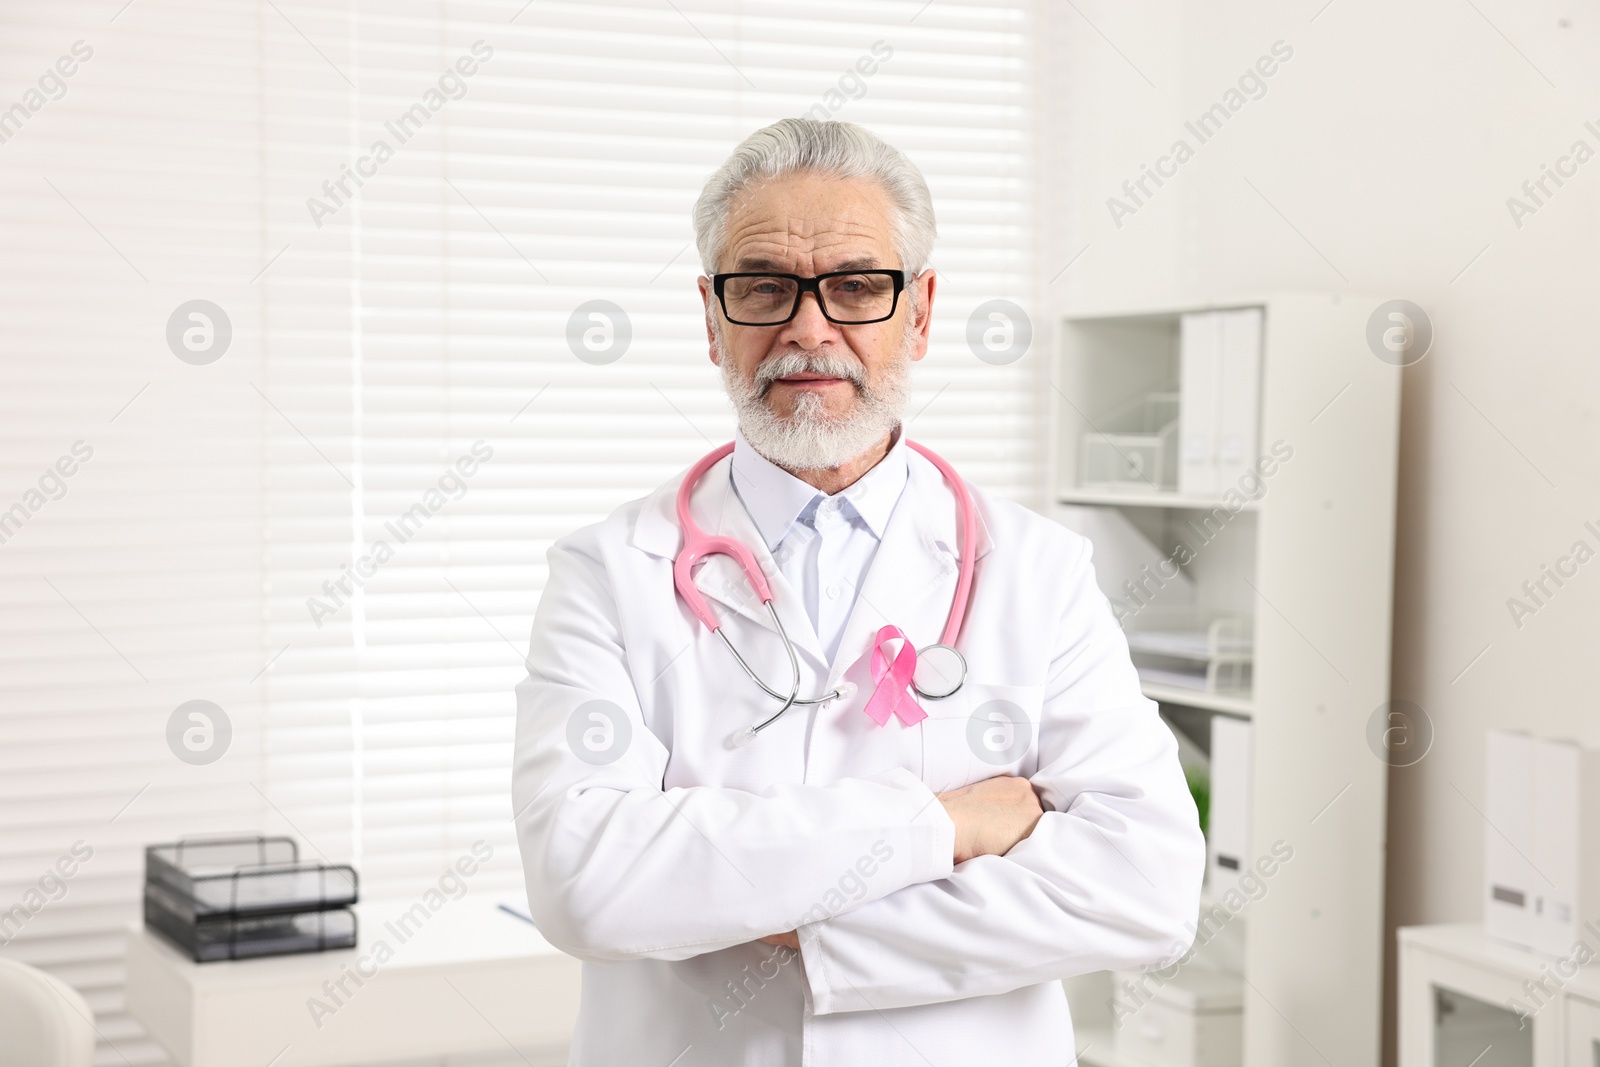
x: 891, y: 692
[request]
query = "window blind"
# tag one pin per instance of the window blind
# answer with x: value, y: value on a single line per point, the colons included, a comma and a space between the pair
x: 132, y: 585
x: 337, y: 530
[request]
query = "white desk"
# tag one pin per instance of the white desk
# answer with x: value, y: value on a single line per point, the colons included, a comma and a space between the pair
x: 470, y: 978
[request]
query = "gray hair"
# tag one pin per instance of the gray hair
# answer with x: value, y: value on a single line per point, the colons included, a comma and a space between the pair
x: 830, y: 147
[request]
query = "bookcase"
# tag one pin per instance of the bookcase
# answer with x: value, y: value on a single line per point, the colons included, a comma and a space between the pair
x: 1264, y: 598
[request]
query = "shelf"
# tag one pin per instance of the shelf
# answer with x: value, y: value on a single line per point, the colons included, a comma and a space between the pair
x: 1146, y: 499
x: 1086, y: 313
x: 1231, y: 703
x: 1193, y: 645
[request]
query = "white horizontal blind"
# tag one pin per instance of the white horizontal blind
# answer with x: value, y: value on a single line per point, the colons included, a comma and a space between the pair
x: 380, y: 333
x: 128, y: 187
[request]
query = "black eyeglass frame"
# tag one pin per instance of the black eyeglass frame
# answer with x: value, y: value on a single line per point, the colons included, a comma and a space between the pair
x: 812, y: 286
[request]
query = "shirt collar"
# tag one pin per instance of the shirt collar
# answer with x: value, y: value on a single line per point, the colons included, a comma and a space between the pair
x: 775, y: 498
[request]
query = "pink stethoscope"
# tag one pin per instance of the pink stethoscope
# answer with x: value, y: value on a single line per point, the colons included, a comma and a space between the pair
x: 935, y: 671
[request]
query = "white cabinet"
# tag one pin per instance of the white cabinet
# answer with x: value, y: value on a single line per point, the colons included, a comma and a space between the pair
x: 1462, y: 991
x: 1192, y: 1020
x: 1583, y: 1032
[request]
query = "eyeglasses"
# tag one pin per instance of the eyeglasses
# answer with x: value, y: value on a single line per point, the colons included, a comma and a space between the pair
x: 845, y: 297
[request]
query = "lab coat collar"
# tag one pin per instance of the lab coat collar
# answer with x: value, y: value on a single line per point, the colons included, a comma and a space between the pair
x: 917, y: 558
x: 776, y: 498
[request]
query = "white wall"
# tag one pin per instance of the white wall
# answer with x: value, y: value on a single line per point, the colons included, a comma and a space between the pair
x: 1390, y: 141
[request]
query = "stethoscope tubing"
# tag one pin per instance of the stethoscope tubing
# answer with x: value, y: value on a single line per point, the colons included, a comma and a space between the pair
x: 792, y: 698
x: 969, y: 547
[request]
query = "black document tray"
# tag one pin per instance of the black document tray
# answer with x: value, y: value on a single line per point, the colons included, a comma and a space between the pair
x: 239, y: 937
x: 253, y: 875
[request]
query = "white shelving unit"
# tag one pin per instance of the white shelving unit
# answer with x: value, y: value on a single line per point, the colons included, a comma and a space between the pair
x: 1308, y: 560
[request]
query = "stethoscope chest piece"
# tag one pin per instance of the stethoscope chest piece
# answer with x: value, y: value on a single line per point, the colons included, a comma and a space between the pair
x: 940, y: 671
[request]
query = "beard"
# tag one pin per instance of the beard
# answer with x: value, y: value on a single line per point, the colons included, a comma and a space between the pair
x: 812, y: 438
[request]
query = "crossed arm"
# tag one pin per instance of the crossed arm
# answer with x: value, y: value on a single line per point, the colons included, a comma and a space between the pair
x: 1098, y: 866
x: 990, y: 817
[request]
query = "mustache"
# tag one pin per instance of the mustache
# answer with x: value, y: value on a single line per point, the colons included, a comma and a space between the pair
x: 789, y: 363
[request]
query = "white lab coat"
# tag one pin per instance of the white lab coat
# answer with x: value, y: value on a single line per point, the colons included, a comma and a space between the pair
x: 660, y: 862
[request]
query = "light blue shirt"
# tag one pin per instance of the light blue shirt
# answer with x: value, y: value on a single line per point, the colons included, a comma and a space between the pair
x: 823, y: 544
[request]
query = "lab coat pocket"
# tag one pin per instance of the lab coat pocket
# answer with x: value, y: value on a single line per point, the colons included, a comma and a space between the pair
x: 980, y: 731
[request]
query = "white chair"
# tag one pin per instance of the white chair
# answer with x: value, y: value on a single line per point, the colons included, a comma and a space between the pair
x: 45, y: 1022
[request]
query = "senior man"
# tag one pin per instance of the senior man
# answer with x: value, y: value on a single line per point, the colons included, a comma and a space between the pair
x: 888, y: 872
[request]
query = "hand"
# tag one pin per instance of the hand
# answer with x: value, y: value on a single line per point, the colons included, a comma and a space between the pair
x: 789, y: 940
x: 991, y: 816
